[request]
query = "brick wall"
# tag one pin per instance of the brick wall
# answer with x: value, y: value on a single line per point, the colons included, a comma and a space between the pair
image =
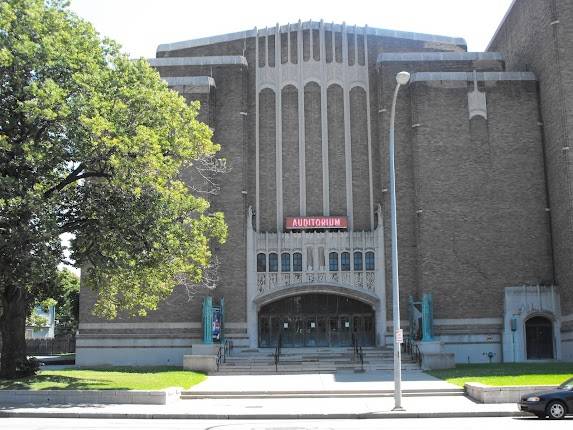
x: 537, y: 36
x: 481, y: 223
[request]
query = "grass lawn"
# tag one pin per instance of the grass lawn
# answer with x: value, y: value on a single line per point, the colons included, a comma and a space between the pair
x: 113, y: 378
x: 507, y: 373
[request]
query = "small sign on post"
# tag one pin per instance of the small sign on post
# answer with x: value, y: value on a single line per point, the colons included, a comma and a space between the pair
x: 399, y: 336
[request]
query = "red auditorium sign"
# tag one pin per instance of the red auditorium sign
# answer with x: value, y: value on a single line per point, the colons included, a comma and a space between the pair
x: 312, y: 222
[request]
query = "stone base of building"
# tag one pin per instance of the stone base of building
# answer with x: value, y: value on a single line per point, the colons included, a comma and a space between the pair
x: 438, y: 361
x: 129, y: 356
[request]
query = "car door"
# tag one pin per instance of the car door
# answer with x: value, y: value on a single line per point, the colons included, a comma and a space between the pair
x: 569, y: 400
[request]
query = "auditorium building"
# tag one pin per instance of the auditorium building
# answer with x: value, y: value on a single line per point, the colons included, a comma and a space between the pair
x: 484, y: 191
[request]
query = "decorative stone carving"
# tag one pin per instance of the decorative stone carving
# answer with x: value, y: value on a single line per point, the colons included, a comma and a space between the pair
x: 250, y: 218
x: 267, y: 282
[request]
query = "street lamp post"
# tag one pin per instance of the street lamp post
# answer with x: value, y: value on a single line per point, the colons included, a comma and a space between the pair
x: 402, y: 78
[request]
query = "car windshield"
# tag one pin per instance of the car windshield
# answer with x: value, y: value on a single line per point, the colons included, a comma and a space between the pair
x: 567, y: 385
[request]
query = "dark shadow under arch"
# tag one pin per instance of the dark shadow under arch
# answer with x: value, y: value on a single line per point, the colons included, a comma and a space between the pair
x: 316, y: 320
x: 539, y: 338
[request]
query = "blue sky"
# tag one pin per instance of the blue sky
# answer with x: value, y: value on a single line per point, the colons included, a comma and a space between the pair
x: 141, y: 25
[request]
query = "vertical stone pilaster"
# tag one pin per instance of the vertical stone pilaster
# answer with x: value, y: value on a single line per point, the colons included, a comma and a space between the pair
x: 324, y: 124
x: 347, y: 139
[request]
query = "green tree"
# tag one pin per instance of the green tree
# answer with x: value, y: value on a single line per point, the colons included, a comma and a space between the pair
x: 92, y: 144
x: 67, y: 296
x: 64, y: 294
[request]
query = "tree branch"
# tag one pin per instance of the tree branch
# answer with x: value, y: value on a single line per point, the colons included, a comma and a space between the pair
x: 75, y: 176
x: 68, y: 180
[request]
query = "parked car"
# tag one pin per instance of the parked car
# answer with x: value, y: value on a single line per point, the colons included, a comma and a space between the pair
x: 553, y: 403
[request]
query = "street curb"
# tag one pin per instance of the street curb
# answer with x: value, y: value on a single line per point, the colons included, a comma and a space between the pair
x: 270, y: 416
x: 310, y: 394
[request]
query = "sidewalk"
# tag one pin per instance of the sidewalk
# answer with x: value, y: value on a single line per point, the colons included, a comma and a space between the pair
x: 425, y: 404
x: 324, y: 382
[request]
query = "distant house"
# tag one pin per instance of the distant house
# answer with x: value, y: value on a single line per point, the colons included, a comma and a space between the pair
x: 44, y: 331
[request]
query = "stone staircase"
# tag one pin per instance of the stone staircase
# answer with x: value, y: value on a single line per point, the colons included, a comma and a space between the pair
x: 311, y: 360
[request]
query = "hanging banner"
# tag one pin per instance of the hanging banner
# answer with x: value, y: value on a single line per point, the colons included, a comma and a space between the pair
x: 316, y: 222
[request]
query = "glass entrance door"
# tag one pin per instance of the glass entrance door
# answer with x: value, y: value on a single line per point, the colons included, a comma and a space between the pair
x: 321, y: 331
x: 298, y: 332
x: 316, y: 320
x: 310, y: 334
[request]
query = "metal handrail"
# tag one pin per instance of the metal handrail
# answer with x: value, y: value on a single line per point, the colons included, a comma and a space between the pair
x: 223, y: 352
x: 411, y: 347
x: 227, y: 347
x: 354, y: 347
x: 219, y: 357
x: 277, y: 353
x: 417, y: 355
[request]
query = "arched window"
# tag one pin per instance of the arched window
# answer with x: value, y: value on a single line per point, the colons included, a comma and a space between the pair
x: 370, y: 260
x: 333, y: 261
x: 345, y: 261
x: 297, y: 262
x: 357, y: 261
x: 261, y: 263
x: 285, y: 262
x: 273, y: 262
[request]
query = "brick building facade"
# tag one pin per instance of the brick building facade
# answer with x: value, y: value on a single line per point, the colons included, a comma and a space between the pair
x: 484, y: 189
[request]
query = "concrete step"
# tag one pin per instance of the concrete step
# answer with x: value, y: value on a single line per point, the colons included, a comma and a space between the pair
x: 310, y: 360
x: 385, y: 365
x: 314, y: 360
x: 309, y: 369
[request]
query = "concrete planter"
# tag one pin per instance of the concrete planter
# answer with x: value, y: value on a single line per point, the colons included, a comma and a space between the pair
x: 438, y: 361
x: 200, y: 363
x: 508, y: 394
x: 80, y: 397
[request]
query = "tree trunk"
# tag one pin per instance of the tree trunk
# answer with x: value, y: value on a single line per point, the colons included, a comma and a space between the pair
x: 13, y: 331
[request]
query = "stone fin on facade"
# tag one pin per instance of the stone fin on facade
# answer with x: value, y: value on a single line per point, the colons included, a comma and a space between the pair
x: 477, y: 102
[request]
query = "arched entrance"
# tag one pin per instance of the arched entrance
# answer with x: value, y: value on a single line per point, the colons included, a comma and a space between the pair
x: 539, y: 338
x: 316, y: 320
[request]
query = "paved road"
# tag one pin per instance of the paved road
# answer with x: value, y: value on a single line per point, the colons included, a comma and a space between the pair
x: 402, y: 424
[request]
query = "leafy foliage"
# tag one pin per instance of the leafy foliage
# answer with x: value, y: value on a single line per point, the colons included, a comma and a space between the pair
x: 64, y: 294
x: 36, y: 321
x: 67, y: 295
x: 46, y: 304
x: 93, y: 144
x: 27, y: 367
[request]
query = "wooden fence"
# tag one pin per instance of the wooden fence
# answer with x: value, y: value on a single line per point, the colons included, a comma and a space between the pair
x: 58, y: 345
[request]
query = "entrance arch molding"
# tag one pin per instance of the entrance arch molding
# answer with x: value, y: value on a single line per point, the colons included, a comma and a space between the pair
x: 554, y: 326
x: 302, y: 289
x: 543, y: 314
x: 521, y: 303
